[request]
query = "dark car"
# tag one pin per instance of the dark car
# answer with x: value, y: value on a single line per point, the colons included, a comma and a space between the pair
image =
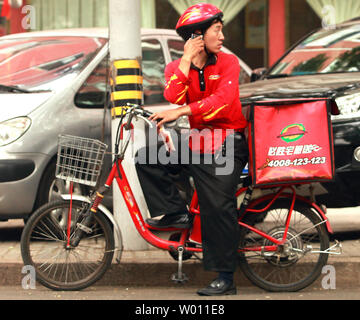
x: 325, y: 63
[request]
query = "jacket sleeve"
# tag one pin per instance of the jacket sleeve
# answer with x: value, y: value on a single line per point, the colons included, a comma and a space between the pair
x: 227, y: 90
x: 176, y: 84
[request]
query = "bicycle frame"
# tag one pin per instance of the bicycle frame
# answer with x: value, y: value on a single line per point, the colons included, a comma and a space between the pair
x: 273, y: 242
x: 135, y: 214
x: 117, y: 172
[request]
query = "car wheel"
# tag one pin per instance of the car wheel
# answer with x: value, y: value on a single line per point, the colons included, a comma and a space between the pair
x: 51, y: 188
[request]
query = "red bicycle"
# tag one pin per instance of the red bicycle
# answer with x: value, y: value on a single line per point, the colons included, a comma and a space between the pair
x: 284, y: 241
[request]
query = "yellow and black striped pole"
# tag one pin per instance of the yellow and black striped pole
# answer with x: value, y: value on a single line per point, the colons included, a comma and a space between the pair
x: 126, y: 85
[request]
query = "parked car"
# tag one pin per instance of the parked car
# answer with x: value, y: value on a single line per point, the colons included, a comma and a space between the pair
x: 326, y: 63
x: 54, y: 82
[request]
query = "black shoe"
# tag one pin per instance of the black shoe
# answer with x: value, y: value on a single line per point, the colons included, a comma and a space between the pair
x: 218, y: 287
x: 181, y: 221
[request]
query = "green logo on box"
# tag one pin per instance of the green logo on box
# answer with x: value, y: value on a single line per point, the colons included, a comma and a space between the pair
x: 292, y: 132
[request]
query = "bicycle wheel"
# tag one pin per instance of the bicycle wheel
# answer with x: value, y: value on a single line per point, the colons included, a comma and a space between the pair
x: 297, y: 263
x: 43, y: 246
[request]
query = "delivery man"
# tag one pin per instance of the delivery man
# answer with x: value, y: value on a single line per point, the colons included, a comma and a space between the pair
x: 205, y: 83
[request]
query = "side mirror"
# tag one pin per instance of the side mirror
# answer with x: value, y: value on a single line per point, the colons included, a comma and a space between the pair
x: 91, y: 99
x: 257, y: 74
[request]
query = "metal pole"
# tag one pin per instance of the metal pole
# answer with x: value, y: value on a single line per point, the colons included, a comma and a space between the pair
x: 126, y: 84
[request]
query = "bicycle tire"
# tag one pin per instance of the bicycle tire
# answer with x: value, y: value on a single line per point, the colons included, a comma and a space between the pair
x: 43, y: 246
x: 290, y: 270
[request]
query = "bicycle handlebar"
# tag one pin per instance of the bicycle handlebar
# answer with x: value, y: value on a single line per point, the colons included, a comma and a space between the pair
x: 128, y: 124
x: 137, y: 111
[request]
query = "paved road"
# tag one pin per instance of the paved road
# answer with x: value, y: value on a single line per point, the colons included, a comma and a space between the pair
x: 187, y: 293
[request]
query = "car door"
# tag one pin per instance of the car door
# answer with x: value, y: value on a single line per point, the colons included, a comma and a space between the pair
x: 154, y: 60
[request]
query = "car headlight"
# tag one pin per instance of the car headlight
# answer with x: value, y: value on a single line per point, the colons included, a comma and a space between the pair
x: 13, y: 129
x: 357, y: 154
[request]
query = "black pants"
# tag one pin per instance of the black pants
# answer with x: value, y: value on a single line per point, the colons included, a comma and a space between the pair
x: 216, y: 178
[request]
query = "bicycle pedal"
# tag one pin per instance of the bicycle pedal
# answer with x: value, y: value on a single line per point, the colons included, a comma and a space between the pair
x: 179, y: 278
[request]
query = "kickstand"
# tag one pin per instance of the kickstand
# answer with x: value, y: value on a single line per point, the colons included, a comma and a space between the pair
x: 179, y: 277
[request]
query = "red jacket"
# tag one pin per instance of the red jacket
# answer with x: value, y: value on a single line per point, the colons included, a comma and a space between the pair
x: 213, y: 96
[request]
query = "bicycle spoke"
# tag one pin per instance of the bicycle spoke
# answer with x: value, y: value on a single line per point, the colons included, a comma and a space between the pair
x: 45, y: 235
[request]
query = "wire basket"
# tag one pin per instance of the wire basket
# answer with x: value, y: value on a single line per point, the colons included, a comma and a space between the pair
x: 79, y: 159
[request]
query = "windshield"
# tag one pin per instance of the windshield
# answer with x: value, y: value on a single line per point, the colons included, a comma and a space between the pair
x: 45, y: 63
x: 326, y: 51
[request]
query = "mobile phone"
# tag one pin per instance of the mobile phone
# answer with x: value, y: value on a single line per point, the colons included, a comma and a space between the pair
x: 195, y: 35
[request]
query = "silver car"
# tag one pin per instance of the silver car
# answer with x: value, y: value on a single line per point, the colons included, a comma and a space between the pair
x: 54, y: 82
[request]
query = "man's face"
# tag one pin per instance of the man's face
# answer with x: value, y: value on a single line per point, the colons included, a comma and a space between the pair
x: 214, y: 37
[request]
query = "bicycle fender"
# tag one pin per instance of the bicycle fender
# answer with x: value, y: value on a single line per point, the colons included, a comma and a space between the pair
x: 109, y: 215
x: 313, y: 205
x: 319, y: 211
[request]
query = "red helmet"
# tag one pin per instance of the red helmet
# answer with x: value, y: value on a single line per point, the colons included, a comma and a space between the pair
x: 197, y: 17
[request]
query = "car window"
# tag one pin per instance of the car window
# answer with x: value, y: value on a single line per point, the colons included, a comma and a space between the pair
x: 45, y: 63
x: 153, y: 65
x: 92, y: 92
x: 244, y: 77
x: 325, y: 51
x: 176, y: 49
